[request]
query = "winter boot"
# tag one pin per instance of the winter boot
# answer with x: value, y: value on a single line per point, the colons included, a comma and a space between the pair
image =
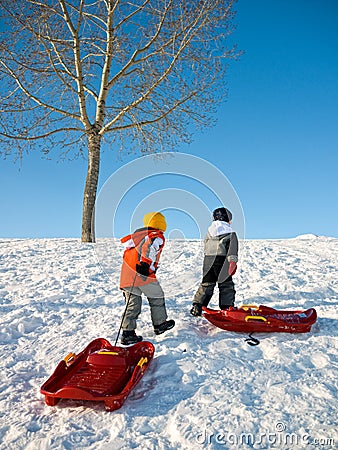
x: 164, y: 326
x: 129, y: 337
x: 196, y: 309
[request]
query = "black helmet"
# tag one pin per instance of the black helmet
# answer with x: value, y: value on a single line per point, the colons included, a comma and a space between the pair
x: 222, y: 214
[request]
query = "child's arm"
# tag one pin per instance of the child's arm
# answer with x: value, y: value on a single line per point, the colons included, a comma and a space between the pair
x: 151, y: 251
x: 232, y: 254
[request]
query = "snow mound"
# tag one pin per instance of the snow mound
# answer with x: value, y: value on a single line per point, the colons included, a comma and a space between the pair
x: 306, y: 236
x: 206, y: 388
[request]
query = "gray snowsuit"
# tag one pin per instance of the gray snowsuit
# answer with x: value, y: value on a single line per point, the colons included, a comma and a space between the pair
x: 220, y: 247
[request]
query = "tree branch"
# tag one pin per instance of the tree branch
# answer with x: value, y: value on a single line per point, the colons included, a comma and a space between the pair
x: 133, y: 60
x: 104, y: 89
x: 41, y: 136
x: 33, y: 97
x: 78, y: 66
x: 184, y: 43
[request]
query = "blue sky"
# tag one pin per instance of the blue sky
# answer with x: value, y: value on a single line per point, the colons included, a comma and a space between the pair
x: 276, y: 138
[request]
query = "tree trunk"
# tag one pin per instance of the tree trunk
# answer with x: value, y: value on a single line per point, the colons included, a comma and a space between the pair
x: 89, y: 198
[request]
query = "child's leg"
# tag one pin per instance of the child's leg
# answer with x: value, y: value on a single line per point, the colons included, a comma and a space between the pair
x: 133, y: 308
x: 155, y: 296
x: 226, y: 293
x: 212, y: 266
x: 204, y: 293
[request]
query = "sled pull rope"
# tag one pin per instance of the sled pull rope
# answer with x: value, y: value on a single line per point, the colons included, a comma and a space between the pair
x: 125, y: 309
x: 251, y: 340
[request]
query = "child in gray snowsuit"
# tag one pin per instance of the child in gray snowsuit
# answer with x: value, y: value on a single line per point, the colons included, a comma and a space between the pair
x: 220, y: 263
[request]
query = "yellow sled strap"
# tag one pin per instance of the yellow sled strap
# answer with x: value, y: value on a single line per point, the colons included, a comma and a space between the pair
x: 263, y: 319
x: 107, y: 353
x: 246, y: 307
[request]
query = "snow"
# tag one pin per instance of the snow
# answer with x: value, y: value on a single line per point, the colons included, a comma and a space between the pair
x: 206, y: 388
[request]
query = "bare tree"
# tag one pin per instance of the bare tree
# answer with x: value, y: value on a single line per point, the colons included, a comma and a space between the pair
x: 138, y: 75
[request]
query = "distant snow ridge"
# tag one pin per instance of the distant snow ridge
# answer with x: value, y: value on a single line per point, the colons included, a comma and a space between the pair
x: 206, y: 388
x: 307, y: 236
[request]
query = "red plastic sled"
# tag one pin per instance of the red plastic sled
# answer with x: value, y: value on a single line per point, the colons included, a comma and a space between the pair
x: 250, y: 318
x: 101, y: 372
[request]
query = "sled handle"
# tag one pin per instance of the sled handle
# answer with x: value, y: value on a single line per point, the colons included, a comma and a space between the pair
x: 246, y: 307
x: 247, y: 318
x: 142, y: 361
x: 68, y: 359
x: 137, y: 373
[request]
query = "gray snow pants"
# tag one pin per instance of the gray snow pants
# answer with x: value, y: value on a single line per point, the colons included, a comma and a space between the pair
x: 133, y: 297
x: 215, y: 271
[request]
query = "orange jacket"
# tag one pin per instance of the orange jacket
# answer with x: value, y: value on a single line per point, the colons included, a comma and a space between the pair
x: 145, y: 244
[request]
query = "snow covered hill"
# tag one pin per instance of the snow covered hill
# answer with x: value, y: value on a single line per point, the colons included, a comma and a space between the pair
x: 206, y: 388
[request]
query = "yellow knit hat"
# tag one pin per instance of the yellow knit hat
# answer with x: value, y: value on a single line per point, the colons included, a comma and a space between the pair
x: 155, y: 220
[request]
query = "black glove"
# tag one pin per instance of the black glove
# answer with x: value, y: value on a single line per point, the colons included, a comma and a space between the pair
x: 143, y: 269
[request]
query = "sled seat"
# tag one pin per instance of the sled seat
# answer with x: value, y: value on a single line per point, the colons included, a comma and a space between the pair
x: 101, y: 378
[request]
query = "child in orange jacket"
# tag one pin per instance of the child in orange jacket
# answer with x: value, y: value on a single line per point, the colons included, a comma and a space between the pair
x: 138, y: 276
